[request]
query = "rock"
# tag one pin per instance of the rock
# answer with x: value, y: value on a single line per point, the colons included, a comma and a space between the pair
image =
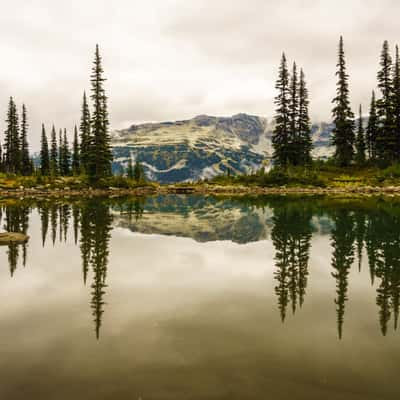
x: 12, y: 237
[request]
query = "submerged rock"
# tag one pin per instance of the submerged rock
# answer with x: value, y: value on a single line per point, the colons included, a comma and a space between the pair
x: 12, y: 237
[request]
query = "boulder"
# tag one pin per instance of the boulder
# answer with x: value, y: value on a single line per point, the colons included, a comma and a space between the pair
x: 12, y: 237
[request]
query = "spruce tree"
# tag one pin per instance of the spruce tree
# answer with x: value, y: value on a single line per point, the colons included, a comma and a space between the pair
x: 293, y: 116
x: 372, y: 129
x: 386, y: 139
x: 129, y: 171
x: 138, y: 172
x: 54, y: 167
x: 281, y: 134
x: 100, y: 150
x: 343, y: 117
x: 75, y: 154
x: 396, y: 102
x: 66, y: 155
x: 360, y: 141
x: 12, y: 154
x: 85, y: 136
x: 60, y: 153
x: 44, y: 154
x: 26, y: 167
x: 304, y: 130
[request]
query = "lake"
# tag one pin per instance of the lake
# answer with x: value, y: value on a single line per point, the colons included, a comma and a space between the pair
x: 191, y: 297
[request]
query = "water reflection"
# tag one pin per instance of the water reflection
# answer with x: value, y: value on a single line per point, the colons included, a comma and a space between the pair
x: 354, y: 227
x: 291, y: 235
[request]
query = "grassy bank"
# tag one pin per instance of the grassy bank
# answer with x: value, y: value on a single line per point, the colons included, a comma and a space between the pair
x: 318, y: 178
x: 15, y: 182
x: 318, y: 175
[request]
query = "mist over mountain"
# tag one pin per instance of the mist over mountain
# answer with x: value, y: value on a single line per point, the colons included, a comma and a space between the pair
x: 204, y: 146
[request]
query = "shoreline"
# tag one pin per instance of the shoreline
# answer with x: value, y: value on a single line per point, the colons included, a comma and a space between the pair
x: 198, y: 189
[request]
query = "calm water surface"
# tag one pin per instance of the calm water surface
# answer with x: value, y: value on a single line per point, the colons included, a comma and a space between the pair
x: 200, y: 298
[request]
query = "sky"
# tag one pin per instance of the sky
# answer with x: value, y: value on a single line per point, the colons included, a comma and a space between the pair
x: 174, y: 59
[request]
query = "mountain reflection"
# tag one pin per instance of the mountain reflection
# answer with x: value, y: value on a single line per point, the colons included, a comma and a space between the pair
x: 358, y: 230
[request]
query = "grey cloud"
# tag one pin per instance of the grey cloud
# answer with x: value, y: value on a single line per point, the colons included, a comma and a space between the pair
x: 172, y: 59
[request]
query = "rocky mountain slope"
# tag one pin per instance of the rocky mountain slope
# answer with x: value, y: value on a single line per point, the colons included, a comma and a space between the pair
x: 203, y: 147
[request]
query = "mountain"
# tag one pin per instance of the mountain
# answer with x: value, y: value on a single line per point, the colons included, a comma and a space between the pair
x: 203, y: 147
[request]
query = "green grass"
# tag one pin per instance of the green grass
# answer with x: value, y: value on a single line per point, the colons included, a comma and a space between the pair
x: 11, y: 181
x: 317, y: 175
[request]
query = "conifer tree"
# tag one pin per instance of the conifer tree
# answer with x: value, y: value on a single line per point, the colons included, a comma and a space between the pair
x: 304, y: 131
x: 138, y: 172
x: 54, y: 167
x: 85, y: 136
x: 26, y: 167
x: 343, y: 132
x: 44, y: 154
x: 100, y: 152
x: 66, y: 155
x: 372, y: 129
x: 396, y: 102
x: 75, y: 154
x: 360, y: 141
x: 12, y: 154
x: 60, y: 153
x: 293, y: 117
x: 281, y: 134
x: 129, y: 171
x: 386, y: 142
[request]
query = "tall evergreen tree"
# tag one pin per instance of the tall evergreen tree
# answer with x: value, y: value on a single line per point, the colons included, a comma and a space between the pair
x: 396, y: 101
x: 12, y: 146
x: 138, y: 172
x: 360, y: 141
x: 343, y: 117
x: 66, y: 155
x: 372, y: 129
x: 85, y: 136
x: 26, y: 167
x: 60, y: 152
x: 386, y: 140
x: 75, y: 153
x: 304, y: 130
x: 100, y: 153
x: 129, y: 171
x: 281, y: 134
x: 44, y: 154
x: 293, y: 117
x: 54, y: 167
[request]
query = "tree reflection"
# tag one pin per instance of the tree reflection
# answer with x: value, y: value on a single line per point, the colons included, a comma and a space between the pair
x: 95, y: 234
x: 16, y: 219
x: 291, y: 236
x: 342, y: 240
x: 383, y: 247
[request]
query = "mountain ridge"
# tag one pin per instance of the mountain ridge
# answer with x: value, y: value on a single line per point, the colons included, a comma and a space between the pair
x: 203, y: 146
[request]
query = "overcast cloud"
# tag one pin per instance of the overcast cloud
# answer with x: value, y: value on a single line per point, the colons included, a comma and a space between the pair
x: 174, y: 59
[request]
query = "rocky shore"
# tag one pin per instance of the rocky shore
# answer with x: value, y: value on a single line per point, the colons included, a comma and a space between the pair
x: 196, y: 189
